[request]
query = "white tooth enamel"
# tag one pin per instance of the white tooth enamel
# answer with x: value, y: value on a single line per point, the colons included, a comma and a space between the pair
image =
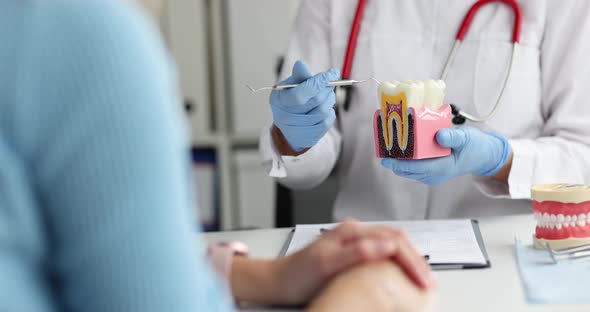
x: 572, y: 224
x: 551, y: 225
x: 434, y: 93
x: 581, y: 216
x: 568, y: 219
x: 574, y: 218
x: 417, y: 98
x: 581, y: 223
x: 553, y: 218
x: 588, y: 216
x: 558, y: 226
x: 546, y: 217
x: 414, y: 91
x: 560, y: 218
x: 566, y: 225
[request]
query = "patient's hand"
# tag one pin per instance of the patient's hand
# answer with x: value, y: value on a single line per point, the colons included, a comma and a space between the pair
x: 376, y: 286
x: 304, y: 273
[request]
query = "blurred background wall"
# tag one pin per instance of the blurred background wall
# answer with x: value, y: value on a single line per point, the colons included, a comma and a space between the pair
x: 218, y: 46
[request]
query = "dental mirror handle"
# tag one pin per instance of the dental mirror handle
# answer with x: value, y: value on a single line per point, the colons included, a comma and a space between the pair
x: 336, y: 83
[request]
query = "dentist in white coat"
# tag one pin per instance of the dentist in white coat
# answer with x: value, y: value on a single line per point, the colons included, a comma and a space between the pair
x: 541, y: 133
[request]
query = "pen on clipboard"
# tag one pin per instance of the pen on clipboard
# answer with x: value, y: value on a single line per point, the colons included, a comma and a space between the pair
x: 324, y: 230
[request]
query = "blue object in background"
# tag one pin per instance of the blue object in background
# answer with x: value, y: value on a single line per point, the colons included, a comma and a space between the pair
x: 206, y: 184
x: 545, y: 282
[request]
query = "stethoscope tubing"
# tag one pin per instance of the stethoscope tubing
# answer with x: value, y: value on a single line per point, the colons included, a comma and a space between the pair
x: 460, y: 115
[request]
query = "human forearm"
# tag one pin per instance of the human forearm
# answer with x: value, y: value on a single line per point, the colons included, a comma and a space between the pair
x: 282, y: 145
x: 503, y: 174
x: 378, y: 286
x: 255, y: 281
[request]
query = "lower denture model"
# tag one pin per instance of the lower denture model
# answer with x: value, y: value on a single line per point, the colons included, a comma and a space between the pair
x: 562, y: 212
x: 411, y: 113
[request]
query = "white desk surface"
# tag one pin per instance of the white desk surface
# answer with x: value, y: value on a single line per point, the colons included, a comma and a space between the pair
x: 495, y: 289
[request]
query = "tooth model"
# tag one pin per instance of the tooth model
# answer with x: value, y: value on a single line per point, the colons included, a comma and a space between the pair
x: 411, y: 113
x: 562, y: 212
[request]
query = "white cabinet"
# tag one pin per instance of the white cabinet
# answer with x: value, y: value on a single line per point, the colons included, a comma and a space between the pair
x: 255, y: 191
x: 219, y: 46
x: 185, y: 26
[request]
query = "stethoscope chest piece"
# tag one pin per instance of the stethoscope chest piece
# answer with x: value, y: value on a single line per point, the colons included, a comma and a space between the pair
x: 458, y: 119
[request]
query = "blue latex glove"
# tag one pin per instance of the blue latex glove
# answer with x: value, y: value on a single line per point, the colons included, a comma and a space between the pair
x: 473, y: 152
x: 305, y: 113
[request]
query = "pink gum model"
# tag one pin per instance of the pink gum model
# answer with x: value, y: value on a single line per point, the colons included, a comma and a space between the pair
x: 425, y: 125
x: 562, y: 212
x: 564, y: 220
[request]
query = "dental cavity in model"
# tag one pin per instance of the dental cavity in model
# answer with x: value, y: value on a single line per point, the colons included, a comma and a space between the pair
x: 410, y: 114
x: 562, y: 212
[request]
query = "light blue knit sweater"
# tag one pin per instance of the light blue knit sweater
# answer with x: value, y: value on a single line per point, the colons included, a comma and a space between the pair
x: 94, y: 170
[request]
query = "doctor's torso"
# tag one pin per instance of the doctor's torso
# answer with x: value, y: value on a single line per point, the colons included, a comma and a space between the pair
x: 402, y: 40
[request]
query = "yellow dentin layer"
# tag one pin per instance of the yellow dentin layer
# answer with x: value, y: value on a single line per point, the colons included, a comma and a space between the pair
x: 394, y: 107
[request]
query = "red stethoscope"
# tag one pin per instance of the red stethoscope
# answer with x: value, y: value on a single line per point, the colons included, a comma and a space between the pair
x: 459, y: 116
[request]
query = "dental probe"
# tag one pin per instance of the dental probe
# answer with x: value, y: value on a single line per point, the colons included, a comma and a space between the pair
x: 336, y: 83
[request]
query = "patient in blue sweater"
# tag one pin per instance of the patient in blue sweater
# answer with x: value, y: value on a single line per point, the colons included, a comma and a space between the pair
x: 95, y: 200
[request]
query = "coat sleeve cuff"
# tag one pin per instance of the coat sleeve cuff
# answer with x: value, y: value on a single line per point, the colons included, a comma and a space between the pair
x: 306, y: 170
x: 520, y: 177
x: 523, y: 169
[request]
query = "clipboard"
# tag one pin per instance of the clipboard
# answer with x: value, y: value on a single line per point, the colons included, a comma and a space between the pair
x: 434, y: 266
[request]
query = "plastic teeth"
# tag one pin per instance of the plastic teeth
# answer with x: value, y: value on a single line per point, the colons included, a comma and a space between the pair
x: 434, y: 94
x: 413, y: 91
x: 559, y: 221
x: 429, y: 93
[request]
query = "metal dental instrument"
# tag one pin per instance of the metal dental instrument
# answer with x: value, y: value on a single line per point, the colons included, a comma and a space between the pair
x: 337, y: 83
x: 578, y: 252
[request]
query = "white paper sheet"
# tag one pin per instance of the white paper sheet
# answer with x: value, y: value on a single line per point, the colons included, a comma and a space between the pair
x: 444, y: 241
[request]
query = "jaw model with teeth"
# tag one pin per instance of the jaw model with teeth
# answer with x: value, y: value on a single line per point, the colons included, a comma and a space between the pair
x: 562, y: 212
x: 411, y: 113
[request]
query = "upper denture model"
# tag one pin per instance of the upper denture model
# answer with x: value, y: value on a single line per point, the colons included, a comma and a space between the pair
x: 410, y: 114
x: 562, y: 212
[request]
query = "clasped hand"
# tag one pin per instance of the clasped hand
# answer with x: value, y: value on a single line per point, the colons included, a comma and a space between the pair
x: 346, y: 246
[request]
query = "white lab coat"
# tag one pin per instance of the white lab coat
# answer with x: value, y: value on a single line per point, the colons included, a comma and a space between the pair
x: 545, y: 113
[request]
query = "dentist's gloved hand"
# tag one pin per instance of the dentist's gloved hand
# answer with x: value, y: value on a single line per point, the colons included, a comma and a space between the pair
x: 473, y: 152
x: 305, y: 113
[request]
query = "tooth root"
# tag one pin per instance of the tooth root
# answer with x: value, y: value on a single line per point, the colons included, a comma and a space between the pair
x: 396, y: 98
x: 434, y: 94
